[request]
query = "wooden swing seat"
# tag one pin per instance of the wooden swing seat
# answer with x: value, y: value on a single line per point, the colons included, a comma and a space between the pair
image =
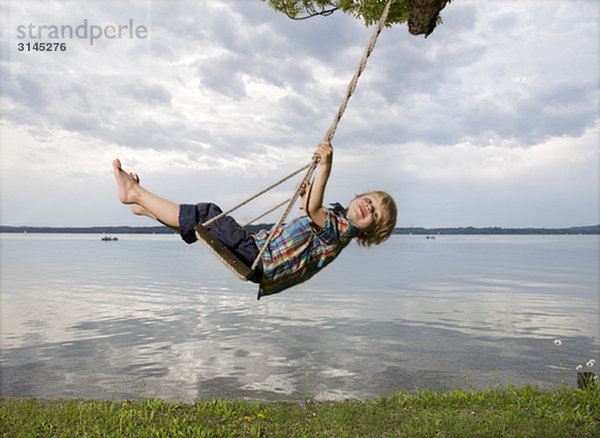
x: 223, y: 254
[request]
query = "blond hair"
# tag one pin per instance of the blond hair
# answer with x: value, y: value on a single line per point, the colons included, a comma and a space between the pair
x: 385, y: 226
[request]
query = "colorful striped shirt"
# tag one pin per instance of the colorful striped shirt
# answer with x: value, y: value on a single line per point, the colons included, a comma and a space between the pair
x: 300, y: 249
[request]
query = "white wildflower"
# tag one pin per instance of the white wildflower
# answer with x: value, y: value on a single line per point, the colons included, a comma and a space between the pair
x: 579, y: 367
x: 557, y: 342
x: 590, y: 363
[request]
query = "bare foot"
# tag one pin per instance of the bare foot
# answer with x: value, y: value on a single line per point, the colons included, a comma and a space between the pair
x: 141, y: 211
x: 128, y: 184
x: 136, y: 208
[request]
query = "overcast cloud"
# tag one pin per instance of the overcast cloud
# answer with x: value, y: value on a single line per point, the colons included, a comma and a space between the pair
x: 493, y: 120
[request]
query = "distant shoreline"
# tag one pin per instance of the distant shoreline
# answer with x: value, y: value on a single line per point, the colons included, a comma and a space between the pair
x: 591, y: 229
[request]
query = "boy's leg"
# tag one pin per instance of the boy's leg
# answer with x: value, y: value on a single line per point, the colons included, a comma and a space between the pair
x: 184, y: 218
x: 141, y: 211
x: 225, y: 229
x: 131, y: 193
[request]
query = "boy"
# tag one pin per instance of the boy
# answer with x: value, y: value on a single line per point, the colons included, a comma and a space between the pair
x: 299, y: 249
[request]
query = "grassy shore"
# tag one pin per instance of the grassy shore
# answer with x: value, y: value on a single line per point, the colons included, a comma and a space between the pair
x: 509, y: 412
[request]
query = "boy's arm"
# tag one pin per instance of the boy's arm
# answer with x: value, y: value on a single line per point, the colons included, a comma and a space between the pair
x: 315, y: 191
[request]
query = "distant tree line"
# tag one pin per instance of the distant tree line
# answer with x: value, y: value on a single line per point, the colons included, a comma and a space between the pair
x: 592, y: 229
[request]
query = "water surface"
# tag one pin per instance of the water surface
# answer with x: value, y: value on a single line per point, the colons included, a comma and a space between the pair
x: 149, y: 316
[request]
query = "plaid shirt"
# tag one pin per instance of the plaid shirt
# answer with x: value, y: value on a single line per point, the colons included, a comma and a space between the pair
x: 300, y: 249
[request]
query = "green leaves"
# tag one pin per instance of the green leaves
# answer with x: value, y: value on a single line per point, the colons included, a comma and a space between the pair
x: 368, y: 11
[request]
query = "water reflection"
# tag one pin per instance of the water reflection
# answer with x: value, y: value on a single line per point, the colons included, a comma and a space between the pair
x: 90, y: 320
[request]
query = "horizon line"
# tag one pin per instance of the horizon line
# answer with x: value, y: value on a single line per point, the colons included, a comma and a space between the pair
x: 153, y: 229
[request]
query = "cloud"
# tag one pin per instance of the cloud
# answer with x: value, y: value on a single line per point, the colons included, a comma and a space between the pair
x: 480, y: 78
x: 148, y: 93
x: 236, y: 93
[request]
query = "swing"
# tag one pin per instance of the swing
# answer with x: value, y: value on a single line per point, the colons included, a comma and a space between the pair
x: 217, y: 247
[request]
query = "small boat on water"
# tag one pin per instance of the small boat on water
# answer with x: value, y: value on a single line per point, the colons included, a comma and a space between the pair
x: 109, y: 238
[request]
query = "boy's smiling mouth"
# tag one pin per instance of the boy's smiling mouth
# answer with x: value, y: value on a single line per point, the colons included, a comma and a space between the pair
x: 363, y: 210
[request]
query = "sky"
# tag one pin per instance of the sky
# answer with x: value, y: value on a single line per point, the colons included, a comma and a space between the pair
x: 493, y: 120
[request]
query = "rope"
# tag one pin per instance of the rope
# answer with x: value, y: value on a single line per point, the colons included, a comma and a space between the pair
x: 251, y: 221
x: 361, y: 67
x: 285, y: 214
x: 282, y: 180
x: 331, y: 131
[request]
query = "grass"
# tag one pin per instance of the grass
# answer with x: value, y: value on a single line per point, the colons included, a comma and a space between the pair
x: 508, y: 412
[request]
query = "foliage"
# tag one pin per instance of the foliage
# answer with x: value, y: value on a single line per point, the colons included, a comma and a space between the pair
x: 509, y: 412
x: 367, y: 10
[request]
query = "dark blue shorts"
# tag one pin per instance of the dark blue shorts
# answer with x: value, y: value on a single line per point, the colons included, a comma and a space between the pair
x: 226, y: 229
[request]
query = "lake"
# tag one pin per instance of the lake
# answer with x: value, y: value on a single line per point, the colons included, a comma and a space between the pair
x: 149, y: 316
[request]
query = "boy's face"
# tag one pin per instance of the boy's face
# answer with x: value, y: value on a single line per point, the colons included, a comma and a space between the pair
x: 365, y: 212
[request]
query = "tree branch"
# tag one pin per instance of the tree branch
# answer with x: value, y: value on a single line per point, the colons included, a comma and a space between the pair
x: 312, y: 12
